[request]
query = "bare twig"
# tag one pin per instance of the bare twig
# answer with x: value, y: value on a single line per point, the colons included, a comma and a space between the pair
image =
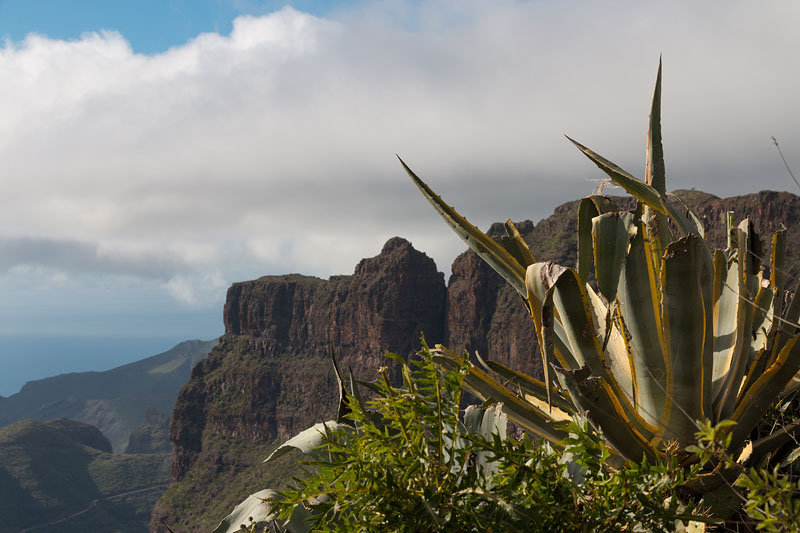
x: 778, y: 146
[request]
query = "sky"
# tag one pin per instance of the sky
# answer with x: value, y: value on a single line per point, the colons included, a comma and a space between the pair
x: 154, y: 152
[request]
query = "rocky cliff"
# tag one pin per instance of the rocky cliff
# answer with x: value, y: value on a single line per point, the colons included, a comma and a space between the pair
x: 270, y: 375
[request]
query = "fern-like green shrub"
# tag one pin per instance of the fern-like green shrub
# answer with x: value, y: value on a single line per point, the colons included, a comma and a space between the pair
x: 407, y: 461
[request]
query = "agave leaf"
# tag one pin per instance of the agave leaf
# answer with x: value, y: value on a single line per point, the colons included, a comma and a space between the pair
x: 640, y: 190
x: 255, y: 506
x: 530, y: 386
x: 687, y: 321
x: 755, y: 401
x: 778, y: 281
x: 791, y: 457
x: 487, y: 248
x: 486, y: 422
x: 610, y: 236
x: 516, y: 245
x: 371, y: 386
x: 746, y: 287
x: 792, y: 386
x: 578, y: 309
x: 762, y: 316
x: 522, y: 413
x: 590, y: 207
x: 656, y: 226
x: 730, y: 319
x: 539, y: 278
x: 593, y: 395
x: 640, y: 307
x: 615, y: 349
x: 344, y: 398
x: 557, y: 414
x: 695, y: 219
x: 762, y: 323
x: 307, y: 441
x: 731, y: 231
x: 777, y: 276
x: 655, y: 175
x: 569, y: 299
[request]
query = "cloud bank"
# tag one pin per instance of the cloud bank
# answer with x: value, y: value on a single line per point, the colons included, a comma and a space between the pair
x: 271, y: 149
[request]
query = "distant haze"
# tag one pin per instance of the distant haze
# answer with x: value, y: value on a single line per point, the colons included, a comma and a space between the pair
x: 26, y: 358
x: 136, y: 188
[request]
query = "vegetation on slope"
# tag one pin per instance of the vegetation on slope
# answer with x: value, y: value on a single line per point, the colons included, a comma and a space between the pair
x: 62, y: 473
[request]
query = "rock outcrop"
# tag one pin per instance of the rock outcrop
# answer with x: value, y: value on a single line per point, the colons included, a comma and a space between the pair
x: 271, y: 373
x: 152, y: 436
x: 270, y: 376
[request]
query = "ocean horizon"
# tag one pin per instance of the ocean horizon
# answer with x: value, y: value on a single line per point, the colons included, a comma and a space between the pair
x: 26, y: 358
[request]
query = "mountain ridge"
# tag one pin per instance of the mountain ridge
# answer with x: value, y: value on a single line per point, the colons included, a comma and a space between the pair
x: 114, y: 400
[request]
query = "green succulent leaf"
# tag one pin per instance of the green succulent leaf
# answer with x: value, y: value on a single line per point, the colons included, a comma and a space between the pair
x: 590, y: 207
x: 516, y: 245
x: 747, y: 256
x: 698, y: 224
x: 655, y: 175
x: 755, y: 400
x: 640, y: 190
x: 610, y: 235
x: 307, y: 441
x: 640, y: 306
x: 522, y: 413
x: 594, y: 396
x: 686, y: 303
x: 525, y: 384
x: 486, y: 247
x: 255, y: 507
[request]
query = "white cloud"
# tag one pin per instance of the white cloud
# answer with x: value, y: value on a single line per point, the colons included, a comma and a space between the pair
x: 197, y: 291
x: 272, y: 149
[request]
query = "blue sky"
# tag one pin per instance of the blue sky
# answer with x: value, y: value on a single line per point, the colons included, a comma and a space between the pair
x: 150, y: 26
x: 153, y: 153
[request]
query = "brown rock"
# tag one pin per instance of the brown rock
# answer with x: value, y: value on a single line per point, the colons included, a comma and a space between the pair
x: 271, y: 376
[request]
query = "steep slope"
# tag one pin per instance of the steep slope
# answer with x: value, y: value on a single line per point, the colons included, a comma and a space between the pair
x: 269, y: 377
x: 61, y: 476
x: 115, y: 401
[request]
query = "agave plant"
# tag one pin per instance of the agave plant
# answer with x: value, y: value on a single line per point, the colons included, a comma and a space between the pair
x: 667, y: 331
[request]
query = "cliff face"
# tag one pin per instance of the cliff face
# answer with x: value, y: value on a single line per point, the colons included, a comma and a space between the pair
x: 270, y: 376
x: 271, y: 373
x: 383, y: 305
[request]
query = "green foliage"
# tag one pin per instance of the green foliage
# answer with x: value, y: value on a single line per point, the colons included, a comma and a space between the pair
x: 768, y: 497
x: 772, y: 499
x: 408, y: 463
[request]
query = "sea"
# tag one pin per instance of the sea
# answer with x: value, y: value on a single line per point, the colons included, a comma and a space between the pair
x: 26, y: 358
